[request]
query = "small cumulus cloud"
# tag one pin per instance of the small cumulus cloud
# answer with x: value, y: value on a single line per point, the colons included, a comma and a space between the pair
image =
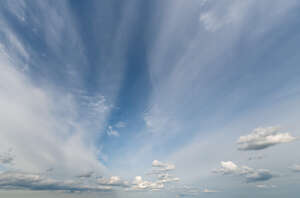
x: 162, y: 166
x: 113, y: 181
x: 262, y: 138
x: 250, y: 174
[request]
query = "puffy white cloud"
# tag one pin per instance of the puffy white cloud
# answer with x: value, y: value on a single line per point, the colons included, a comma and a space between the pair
x: 262, y: 138
x: 250, y: 174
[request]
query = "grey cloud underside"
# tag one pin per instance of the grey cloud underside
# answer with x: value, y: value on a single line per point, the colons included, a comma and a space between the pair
x: 37, y: 182
x: 86, y: 175
x: 249, y: 174
x: 262, y: 138
x: 6, y: 158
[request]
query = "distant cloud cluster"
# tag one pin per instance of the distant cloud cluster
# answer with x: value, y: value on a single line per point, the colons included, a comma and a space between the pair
x: 250, y: 174
x: 37, y: 182
x: 262, y: 138
x: 162, y: 176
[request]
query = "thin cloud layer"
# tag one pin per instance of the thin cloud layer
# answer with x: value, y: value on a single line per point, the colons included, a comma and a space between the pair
x: 295, y: 168
x: 262, y: 138
x: 37, y: 182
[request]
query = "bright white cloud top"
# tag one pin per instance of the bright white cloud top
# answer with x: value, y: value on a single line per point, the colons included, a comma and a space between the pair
x: 262, y: 138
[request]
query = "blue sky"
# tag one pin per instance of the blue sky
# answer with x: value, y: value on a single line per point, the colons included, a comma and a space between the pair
x: 155, y: 98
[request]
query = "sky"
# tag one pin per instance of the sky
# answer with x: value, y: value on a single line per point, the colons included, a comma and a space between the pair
x: 138, y: 98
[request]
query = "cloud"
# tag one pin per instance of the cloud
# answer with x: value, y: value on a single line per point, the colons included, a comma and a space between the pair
x: 250, y: 174
x: 86, y: 175
x: 161, y: 167
x: 166, y: 178
x: 43, y: 126
x: 120, y: 124
x: 6, y: 158
x: 226, y: 13
x: 227, y: 168
x: 258, y: 175
x: 295, y: 168
x: 265, y: 186
x: 209, y: 191
x: 113, y: 181
x: 140, y: 184
x: 37, y: 182
x: 161, y: 177
x: 111, y: 132
x: 262, y: 138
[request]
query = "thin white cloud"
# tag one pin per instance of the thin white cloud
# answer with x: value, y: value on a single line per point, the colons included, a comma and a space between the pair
x: 42, y: 125
x: 262, y: 138
x: 226, y: 13
x: 161, y: 167
x: 111, y: 132
x: 120, y: 124
x: 209, y: 191
x: 265, y: 186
